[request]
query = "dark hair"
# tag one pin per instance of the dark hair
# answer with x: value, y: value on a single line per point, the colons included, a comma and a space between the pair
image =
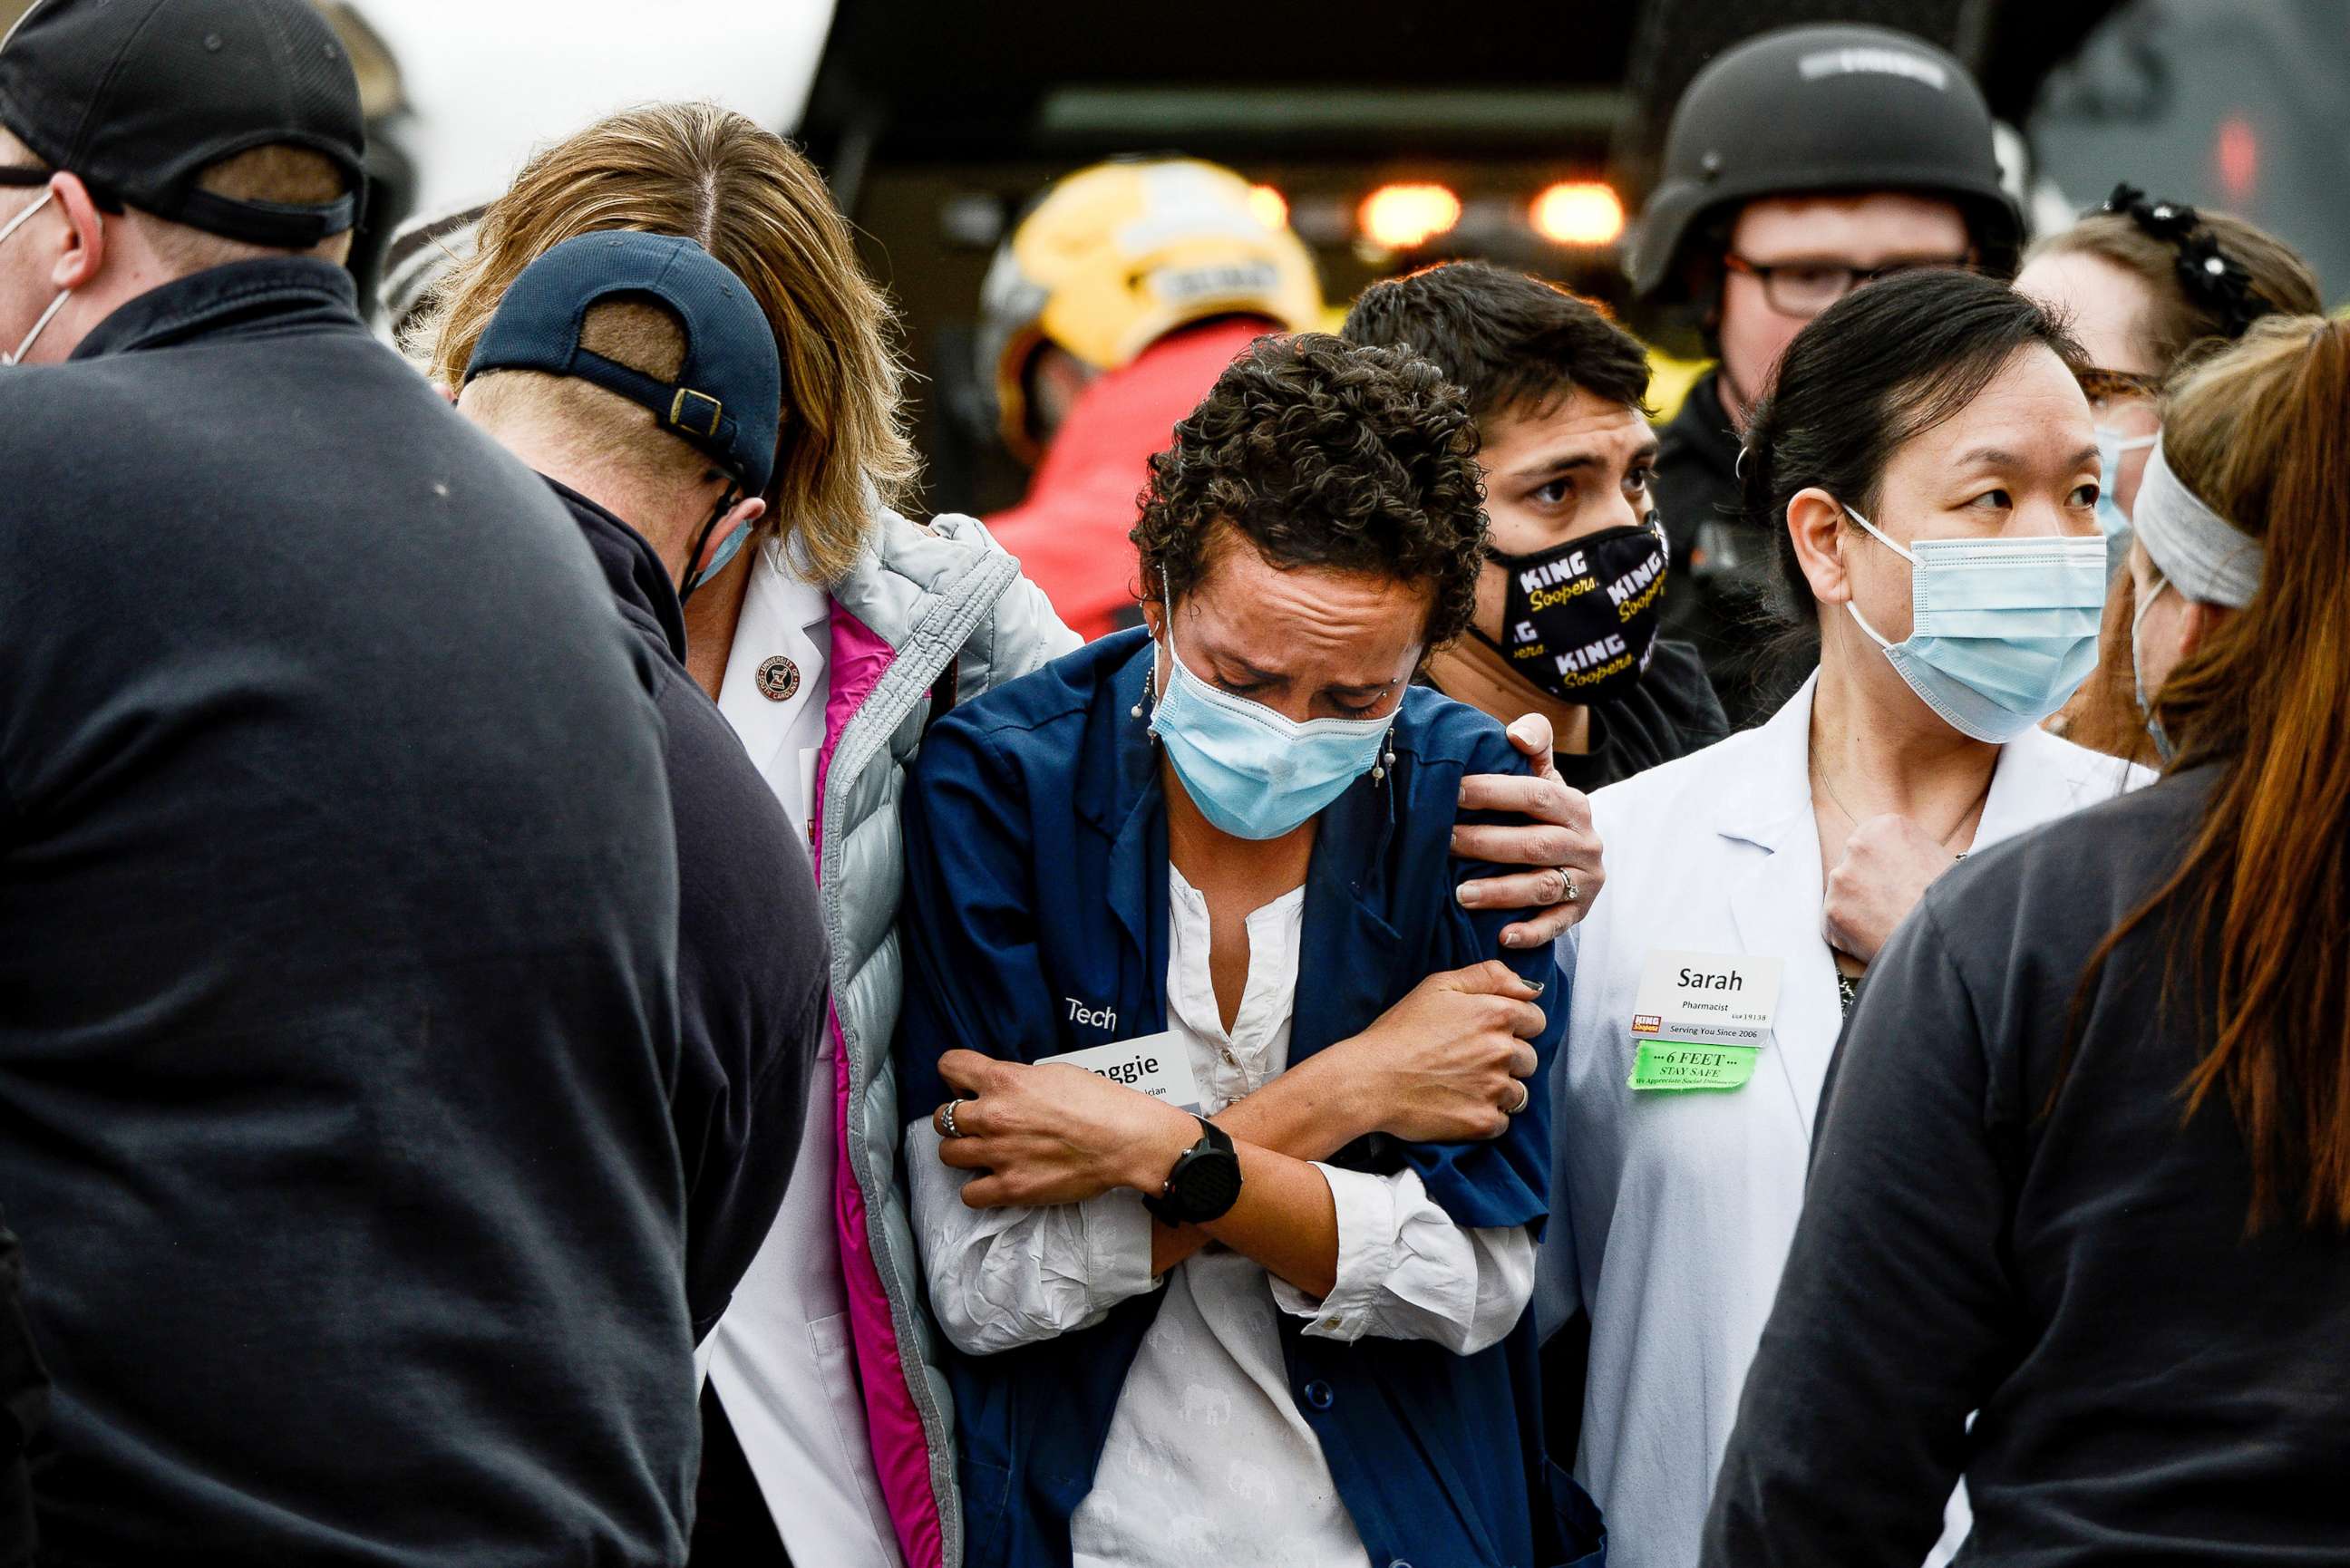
x: 1510, y: 341
x: 2264, y: 272
x: 1322, y: 453
x: 1880, y: 367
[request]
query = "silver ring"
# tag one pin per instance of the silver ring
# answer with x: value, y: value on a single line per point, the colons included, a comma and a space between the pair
x: 1573, y: 893
x: 946, y: 1118
x: 1525, y: 1098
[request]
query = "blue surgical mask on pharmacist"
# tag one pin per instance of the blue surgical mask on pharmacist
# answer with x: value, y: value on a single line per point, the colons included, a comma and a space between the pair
x: 2002, y: 631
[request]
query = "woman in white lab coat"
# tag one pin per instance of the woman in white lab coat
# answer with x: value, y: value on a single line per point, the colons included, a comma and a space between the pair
x: 1928, y: 462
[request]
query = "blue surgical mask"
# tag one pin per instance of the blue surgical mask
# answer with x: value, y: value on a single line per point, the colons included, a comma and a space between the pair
x: 726, y: 547
x: 2111, y: 521
x: 2162, y: 746
x: 1252, y: 773
x: 2003, y: 630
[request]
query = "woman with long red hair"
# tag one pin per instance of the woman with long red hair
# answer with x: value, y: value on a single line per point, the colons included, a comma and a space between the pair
x: 2085, y: 1168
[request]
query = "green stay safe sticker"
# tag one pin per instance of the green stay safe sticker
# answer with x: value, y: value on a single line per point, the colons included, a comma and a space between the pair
x: 1673, y: 1065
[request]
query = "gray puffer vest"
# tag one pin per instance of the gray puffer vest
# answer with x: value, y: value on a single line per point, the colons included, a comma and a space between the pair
x: 921, y: 599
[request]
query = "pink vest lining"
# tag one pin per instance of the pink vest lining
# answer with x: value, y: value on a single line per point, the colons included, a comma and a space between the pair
x: 901, y: 1452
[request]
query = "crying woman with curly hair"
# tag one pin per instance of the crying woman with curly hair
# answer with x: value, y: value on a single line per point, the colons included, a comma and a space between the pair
x: 1237, y: 1141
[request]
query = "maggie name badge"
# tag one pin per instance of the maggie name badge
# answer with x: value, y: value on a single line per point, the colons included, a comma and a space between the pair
x: 1699, y: 1020
x: 1157, y: 1064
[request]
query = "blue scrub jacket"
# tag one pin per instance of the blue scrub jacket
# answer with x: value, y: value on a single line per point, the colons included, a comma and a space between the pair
x: 1035, y: 923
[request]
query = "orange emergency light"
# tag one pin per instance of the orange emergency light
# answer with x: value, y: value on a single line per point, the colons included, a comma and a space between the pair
x: 1403, y: 216
x: 1577, y: 212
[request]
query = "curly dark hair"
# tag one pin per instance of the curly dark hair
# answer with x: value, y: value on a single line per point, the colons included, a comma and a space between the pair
x: 1325, y: 453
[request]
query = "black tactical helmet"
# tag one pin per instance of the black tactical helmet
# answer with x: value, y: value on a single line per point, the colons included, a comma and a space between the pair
x: 1835, y: 108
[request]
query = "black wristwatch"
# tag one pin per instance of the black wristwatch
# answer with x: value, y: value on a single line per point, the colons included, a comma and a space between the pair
x: 1204, y: 1184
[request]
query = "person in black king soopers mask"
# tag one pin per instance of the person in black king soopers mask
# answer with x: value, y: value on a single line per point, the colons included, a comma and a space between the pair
x: 1572, y: 596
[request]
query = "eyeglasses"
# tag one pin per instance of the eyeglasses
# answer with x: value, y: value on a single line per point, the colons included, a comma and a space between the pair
x: 1805, y: 288
x: 24, y: 174
x: 2104, y: 386
x: 2117, y: 395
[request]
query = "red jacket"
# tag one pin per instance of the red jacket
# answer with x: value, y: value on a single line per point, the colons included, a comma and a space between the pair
x: 1070, y: 532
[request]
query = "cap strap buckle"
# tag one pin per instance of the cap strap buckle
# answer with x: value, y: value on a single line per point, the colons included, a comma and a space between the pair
x: 684, y: 413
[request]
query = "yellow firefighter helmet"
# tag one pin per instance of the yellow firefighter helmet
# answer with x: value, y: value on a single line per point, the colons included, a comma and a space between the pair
x: 1118, y: 256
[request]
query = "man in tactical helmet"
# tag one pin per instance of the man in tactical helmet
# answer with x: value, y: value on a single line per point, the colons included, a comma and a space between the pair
x: 1105, y: 318
x: 1799, y: 165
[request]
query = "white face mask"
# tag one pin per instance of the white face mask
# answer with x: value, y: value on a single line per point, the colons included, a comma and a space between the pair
x: 10, y: 228
x: 2162, y: 745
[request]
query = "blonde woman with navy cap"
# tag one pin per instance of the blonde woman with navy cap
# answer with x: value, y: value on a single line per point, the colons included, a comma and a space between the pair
x: 1928, y: 462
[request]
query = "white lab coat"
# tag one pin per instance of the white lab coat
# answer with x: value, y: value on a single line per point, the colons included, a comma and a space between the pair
x: 781, y: 1357
x: 1671, y: 1213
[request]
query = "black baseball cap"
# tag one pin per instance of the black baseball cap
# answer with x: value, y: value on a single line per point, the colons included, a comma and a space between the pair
x: 139, y: 97
x: 728, y: 394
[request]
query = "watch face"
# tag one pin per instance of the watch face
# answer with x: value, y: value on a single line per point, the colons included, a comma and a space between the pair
x: 1208, y: 1183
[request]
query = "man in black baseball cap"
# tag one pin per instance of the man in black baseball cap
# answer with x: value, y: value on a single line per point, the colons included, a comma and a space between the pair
x: 338, y: 876
x: 1799, y: 164
x: 237, y: 124
x: 641, y: 378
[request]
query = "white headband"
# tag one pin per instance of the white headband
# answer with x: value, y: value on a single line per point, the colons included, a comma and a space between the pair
x: 2203, y: 554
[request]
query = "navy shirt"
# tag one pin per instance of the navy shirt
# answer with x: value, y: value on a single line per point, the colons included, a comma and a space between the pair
x: 337, y: 915
x: 1035, y: 920
x: 752, y: 968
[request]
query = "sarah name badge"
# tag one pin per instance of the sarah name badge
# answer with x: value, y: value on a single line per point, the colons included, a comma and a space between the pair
x: 1699, y: 1019
x: 1157, y: 1064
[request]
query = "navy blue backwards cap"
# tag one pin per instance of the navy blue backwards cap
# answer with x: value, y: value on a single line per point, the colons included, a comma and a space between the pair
x: 728, y: 394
